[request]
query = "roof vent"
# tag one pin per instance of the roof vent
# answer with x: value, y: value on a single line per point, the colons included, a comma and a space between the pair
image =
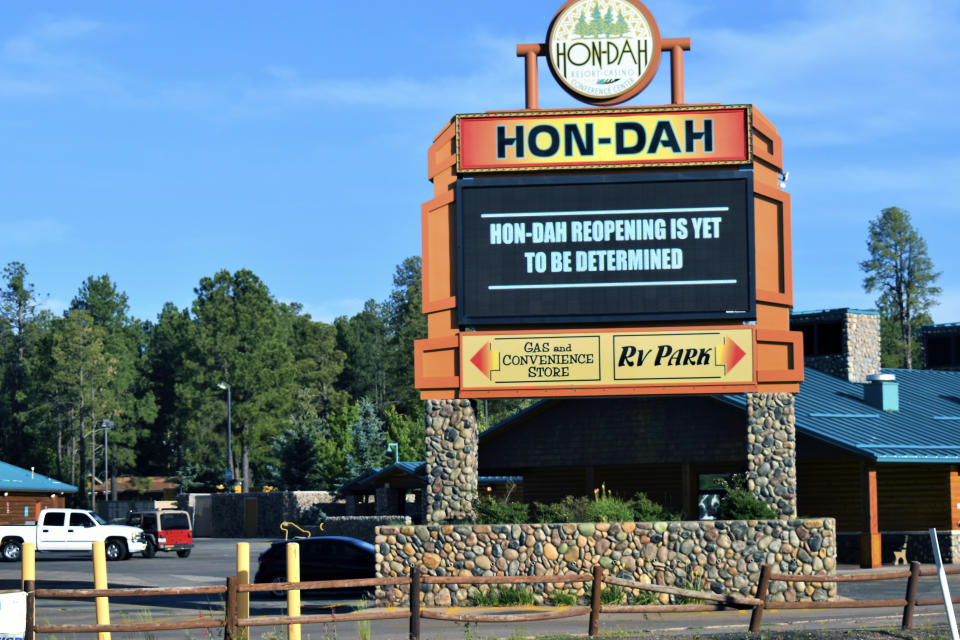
x: 882, y: 391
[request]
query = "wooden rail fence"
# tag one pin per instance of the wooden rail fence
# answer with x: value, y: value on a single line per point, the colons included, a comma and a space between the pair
x: 233, y: 624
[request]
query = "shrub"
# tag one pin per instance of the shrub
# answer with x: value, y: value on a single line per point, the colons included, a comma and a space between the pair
x: 612, y: 595
x: 645, y: 509
x: 489, y: 511
x: 550, y: 512
x: 647, y: 597
x: 486, y: 598
x: 513, y: 596
x: 562, y: 598
x: 741, y: 504
x: 609, y: 509
x: 504, y: 597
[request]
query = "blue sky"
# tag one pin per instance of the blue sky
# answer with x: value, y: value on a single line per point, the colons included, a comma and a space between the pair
x: 161, y: 142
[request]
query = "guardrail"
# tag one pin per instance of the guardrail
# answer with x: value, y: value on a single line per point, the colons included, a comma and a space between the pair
x: 234, y: 623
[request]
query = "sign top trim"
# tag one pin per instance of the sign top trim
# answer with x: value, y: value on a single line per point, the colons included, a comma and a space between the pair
x: 617, y: 138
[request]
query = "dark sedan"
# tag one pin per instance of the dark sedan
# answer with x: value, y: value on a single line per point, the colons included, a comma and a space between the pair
x: 323, y: 558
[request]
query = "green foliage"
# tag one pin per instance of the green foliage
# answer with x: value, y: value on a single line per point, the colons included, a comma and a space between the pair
x: 314, y: 515
x: 696, y: 583
x: 741, y: 504
x: 503, y: 597
x: 363, y: 337
x: 405, y: 324
x: 240, y: 341
x: 612, y: 595
x: 142, y: 485
x: 489, y: 511
x: 602, y: 508
x: 563, y: 598
x: 296, y: 384
x: 369, y: 450
x: 901, y: 272
x: 515, y: 596
x: 297, y: 450
x: 363, y: 630
x: 647, y: 598
x: 409, y: 432
x: 645, y: 509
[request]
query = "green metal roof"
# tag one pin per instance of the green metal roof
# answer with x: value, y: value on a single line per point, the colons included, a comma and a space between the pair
x: 16, y: 479
x: 926, y: 429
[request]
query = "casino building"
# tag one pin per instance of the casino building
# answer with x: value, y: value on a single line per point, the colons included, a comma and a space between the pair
x: 881, y: 455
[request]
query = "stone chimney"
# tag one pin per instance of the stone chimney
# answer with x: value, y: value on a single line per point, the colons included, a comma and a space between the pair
x: 841, y: 342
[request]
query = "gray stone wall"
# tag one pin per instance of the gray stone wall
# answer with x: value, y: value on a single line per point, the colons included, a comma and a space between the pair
x: 720, y: 556
x: 451, y: 444
x: 771, y: 450
x: 859, y: 344
x: 862, y: 345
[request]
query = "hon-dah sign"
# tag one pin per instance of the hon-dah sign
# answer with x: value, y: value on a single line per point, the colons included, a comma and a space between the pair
x: 611, y: 138
x: 598, y: 249
x: 607, y: 358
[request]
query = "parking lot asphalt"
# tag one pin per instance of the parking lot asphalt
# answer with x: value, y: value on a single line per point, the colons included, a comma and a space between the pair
x: 213, y: 559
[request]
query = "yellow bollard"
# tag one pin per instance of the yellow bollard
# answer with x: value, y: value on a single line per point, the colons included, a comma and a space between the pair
x: 293, y: 596
x: 100, y: 582
x: 243, y: 577
x: 28, y: 566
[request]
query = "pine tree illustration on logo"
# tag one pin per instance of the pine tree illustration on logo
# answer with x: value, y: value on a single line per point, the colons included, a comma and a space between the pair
x: 600, y: 25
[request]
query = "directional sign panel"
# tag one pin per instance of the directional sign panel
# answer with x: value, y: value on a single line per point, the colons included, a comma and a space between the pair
x: 596, y: 249
x: 607, y: 358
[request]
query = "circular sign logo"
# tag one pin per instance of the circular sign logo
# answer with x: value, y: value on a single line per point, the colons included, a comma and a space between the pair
x: 603, y: 51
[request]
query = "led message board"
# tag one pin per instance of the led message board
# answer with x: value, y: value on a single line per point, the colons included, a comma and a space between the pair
x: 605, y: 248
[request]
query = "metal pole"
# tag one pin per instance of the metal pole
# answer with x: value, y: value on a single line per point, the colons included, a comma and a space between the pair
x: 229, y: 435
x: 106, y: 491
x: 93, y: 466
x: 944, y: 586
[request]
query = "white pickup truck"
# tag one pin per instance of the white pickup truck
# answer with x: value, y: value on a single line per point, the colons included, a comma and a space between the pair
x: 71, y: 530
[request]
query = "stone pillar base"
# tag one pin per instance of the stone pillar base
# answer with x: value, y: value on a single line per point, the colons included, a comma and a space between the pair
x: 771, y: 450
x: 451, y: 444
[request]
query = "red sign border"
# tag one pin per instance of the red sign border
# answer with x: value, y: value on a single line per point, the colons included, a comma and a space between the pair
x: 607, y: 164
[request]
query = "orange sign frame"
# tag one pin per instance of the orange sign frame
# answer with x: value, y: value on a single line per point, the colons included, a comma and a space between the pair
x: 778, y: 354
x: 604, y: 138
x: 579, y: 359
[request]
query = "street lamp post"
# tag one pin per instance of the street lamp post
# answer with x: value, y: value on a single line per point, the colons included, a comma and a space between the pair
x: 229, y: 476
x: 107, y: 425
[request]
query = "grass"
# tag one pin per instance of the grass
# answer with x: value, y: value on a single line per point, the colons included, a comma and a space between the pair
x: 562, y: 598
x: 612, y: 595
x: 504, y: 597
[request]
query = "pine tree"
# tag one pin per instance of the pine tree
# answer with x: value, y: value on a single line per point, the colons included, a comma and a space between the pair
x: 369, y: 443
x: 901, y: 271
x: 582, y: 29
x: 607, y: 27
x: 620, y: 27
x: 596, y: 22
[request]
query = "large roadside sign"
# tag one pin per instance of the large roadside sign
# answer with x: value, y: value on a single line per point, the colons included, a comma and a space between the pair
x: 593, y: 358
x: 609, y: 248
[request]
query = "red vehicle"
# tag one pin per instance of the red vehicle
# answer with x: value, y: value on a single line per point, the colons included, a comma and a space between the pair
x: 165, y: 530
